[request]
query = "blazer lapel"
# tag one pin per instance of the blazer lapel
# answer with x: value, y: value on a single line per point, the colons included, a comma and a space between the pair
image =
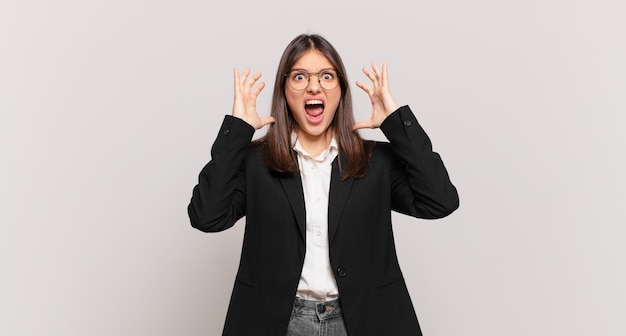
x: 339, y: 191
x: 292, y: 185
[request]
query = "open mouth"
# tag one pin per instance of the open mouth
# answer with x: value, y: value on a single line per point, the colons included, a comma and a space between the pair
x: 314, y: 109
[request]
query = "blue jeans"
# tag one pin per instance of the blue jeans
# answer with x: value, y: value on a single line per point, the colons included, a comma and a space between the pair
x: 313, y: 318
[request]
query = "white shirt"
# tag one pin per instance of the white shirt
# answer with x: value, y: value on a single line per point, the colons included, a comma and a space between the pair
x: 317, y: 281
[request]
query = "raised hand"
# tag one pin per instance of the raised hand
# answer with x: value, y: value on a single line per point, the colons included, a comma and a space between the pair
x: 383, y: 103
x: 244, y: 106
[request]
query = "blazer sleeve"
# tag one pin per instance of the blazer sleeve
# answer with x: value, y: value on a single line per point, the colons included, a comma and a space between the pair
x: 219, y: 198
x: 420, y: 186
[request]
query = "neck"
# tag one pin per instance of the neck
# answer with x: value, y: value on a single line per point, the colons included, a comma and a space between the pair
x: 315, y: 145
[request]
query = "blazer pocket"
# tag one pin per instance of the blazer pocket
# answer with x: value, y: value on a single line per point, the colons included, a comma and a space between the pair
x: 389, y: 282
x: 245, y: 283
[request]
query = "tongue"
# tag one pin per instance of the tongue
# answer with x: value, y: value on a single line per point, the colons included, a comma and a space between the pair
x: 314, y: 110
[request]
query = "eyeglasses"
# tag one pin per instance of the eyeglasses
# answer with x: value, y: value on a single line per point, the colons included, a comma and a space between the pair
x: 299, y: 79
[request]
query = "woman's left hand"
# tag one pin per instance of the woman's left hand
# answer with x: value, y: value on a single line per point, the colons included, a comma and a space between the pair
x: 383, y: 103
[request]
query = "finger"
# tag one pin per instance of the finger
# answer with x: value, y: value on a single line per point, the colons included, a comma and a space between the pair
x: 235, y: 76
x: 376, y: 74
x: 236, y: 83
x: 365, y: 88
x: 369, y: 75
x: 376, y: 70
x: 267, y: 120
x: 256, y: 76
x: 362, y: 124
x: 245, y: 73
x: 385, y: 75
x: 253, y: 80
x: 258, y: 89
x: 242, y: 78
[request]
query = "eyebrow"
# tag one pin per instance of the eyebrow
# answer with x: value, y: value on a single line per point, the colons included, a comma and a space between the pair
x: 305, y: 70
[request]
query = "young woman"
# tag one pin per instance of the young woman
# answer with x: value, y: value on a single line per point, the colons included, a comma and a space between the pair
x: 318, y: 250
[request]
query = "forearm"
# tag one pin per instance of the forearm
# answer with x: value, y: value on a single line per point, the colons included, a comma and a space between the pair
x: 218, y: 199
x: 421, y: 185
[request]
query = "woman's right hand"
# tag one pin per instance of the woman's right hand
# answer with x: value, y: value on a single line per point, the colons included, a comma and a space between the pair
x: 244, y: 106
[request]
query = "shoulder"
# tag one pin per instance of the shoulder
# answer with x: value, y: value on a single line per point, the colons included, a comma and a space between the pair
x: 380, y: 152
x: 255, y: 150
x: 260, y: 157
x: 378, y: 148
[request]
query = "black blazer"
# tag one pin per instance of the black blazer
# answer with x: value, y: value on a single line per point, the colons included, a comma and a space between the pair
x: 404, y: 175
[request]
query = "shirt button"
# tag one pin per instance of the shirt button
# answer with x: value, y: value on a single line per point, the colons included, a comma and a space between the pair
x: 226, y: 131
x: 341, y: 272
x: 407, y: 123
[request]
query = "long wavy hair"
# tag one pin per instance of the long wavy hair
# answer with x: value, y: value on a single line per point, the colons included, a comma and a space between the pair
x: 277, y: 148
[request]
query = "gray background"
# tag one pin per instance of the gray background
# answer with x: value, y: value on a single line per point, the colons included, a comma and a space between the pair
x: 109, y: 108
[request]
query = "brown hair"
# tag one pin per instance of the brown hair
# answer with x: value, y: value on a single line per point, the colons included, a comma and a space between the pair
x: 277, y: 151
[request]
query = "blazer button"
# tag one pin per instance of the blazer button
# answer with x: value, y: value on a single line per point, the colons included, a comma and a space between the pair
x: 407, y: 123
x: 341, y: 272
x: 226, y: 131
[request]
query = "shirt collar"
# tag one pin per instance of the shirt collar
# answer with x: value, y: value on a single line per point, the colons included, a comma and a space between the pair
x: 332, y: 149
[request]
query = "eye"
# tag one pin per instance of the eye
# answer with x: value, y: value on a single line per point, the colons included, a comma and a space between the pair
x: 298, y: 76
x: 328, y: 75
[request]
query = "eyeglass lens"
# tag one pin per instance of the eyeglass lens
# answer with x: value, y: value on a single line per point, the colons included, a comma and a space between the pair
x: 299, y: 79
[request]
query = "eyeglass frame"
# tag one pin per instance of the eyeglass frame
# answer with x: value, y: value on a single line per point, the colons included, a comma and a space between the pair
x: 309, y: 78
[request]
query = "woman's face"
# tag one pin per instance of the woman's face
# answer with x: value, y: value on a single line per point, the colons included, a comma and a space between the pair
x: 314, y: 107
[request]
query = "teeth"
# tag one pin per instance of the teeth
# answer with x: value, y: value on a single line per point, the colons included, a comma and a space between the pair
x: 314, y: 102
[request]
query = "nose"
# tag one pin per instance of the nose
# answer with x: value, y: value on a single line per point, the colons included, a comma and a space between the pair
x: 314, y: 84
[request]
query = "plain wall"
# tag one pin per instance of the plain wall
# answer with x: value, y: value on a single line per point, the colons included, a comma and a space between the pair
x: 108, y: 110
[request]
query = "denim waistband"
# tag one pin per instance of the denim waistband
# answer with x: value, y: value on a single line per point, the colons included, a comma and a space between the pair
x: 321, y: 309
